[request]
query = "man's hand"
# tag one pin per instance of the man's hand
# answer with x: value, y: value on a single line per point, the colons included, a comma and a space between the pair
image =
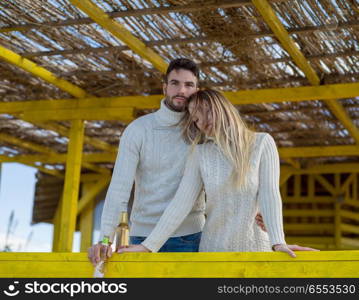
x: 133, y: 248
x: 97, y: 251
x: 259, y: 221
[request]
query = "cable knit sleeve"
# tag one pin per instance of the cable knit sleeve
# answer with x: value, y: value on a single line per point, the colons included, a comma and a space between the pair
x: 180, y: 206
x: 119, y: 190
x: 269, y: 198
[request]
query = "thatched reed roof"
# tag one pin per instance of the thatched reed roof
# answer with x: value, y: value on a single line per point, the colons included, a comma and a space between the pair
x: 230, y: 40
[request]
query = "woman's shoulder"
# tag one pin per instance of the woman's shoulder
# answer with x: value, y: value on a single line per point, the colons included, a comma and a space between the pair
x: 264, y: 140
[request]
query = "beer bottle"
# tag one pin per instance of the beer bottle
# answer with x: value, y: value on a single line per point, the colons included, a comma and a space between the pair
x: 122, y: 231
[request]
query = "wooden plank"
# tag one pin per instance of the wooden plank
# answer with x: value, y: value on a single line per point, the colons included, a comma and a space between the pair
x: 182, y: 265
x: 71, y: 186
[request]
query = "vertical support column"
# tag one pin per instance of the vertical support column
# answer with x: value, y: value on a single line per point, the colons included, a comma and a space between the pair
x: 71, y: 186
x: 337, y: 209
x: 297, y: 186
x: 56, y: 231
x: 86, y: 219
x: 355, y: 187
x: 337, y: 226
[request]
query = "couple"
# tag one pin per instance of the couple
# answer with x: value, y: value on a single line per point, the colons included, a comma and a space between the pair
x: 195, y: 143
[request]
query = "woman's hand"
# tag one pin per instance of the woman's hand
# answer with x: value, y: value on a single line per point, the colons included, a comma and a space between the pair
x: 283, y: 248
x: 133, y: 248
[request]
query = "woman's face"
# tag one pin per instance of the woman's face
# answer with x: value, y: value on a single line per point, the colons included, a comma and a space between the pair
x: 202, y: 118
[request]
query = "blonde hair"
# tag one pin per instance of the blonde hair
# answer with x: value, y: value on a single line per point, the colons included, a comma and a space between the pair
x: 229, y: 131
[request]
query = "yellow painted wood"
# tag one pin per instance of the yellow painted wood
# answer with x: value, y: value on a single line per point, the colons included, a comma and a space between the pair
x: 284, y: 176
x: 355, y: 186
x: 350, y: 215
x: 286, y: 41
x: 185, y: 265
x: 284, y: 188
x: 86, y: 219
x: 308, y: 213
x: 309, y: 227
x: 51, y: 156
x: 289, y: 45
x: 337, y: 183
x: 319, y: 151
x: 328, y: 169
x: 297, y: 185
x: 351, y: 202
x: 312, y: 240
x: 297, y: 94
x: 293, y: 162
x: 330, y: 188
x: 339, y: 111
x: 311, y: 185
x: 337, y: 225
x: 120, y: 32
x: 350, y: 242
x: 31, y: 67
x: 56, y: 228
x: 92, y: 190
x: 124, y: 115
x: 314, y: 199
x: 350, y: 228
x: 71, y: 186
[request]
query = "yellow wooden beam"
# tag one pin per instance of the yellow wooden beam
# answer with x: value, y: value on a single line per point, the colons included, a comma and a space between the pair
x: 71, y: 186
x: 62, y: 130
x: 289, y: 45
x: 53, y: 156
x: 323, y: 264
x: 125, y: 115
x: 86, y: 220
x: 319, y: 151
x: 308, y: 213
x: 31, y: 67
x: 56, y: 221
x: 287, y: 42
x: 120, y: 32
x: 92, y: 190
x: 297, y: 94
x: 338, y: 110
x: 329, y: 187
x: 295, y: 152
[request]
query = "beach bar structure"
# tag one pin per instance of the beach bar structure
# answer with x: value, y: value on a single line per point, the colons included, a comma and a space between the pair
x: 74, y: 73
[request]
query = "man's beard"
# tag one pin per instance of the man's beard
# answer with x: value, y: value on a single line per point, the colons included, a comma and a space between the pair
x: 170, y: 104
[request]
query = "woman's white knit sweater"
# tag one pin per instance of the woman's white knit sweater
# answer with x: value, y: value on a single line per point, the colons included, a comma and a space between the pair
x: 153, y: 154
x: 230, y: 223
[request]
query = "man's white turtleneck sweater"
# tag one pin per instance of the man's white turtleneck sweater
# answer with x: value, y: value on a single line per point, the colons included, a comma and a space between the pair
x: 153, y: 154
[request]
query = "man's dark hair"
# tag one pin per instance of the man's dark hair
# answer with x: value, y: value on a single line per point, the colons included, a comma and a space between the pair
x: 182, y: 63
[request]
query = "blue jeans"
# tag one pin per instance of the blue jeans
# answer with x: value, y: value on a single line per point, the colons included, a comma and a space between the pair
x: 186, y: 243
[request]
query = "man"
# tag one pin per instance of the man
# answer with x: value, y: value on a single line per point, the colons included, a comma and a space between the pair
x: 153, y: 154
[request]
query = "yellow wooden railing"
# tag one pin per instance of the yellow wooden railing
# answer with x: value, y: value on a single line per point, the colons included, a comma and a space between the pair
x: 322, y: 264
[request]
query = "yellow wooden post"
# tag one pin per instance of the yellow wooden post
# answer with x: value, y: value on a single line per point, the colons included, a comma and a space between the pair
x: 86, y: 220
x: 337, y: 226
x: 71, y: 186
x: 297, y: 186
x: 355, y: 187
x: 56, y: 228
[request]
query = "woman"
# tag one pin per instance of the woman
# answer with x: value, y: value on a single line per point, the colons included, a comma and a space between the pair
x: 239, y: 171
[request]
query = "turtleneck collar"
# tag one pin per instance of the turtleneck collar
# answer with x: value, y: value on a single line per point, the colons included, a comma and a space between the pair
x: 166, y: 116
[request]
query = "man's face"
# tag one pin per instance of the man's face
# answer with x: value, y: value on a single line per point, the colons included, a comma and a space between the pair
x: 181, y: 84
